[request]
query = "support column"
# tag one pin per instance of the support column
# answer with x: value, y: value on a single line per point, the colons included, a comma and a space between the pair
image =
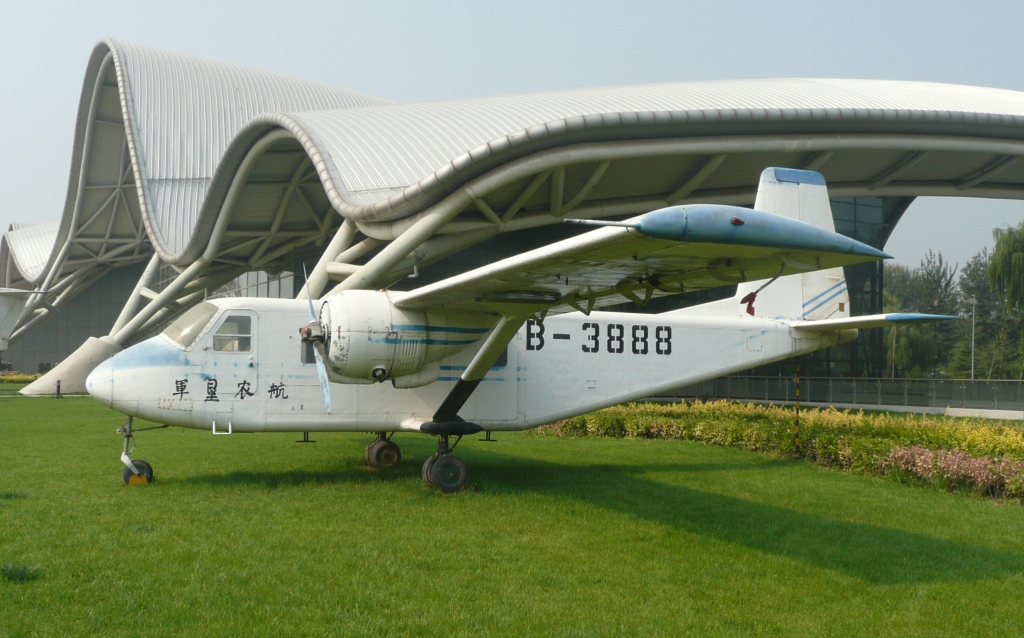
x: 428, y: 224
x: 132, y: 304
x: 318, y: 279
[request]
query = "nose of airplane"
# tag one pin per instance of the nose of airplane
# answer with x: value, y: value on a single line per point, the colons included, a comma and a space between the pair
x: 100, y: 382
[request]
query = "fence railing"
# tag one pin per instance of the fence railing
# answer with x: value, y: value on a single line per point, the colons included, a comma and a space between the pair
x: 924, y: 393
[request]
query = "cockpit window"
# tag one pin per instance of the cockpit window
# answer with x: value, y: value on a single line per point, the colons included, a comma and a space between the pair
x: 187, y: 328
x: 234, y: 335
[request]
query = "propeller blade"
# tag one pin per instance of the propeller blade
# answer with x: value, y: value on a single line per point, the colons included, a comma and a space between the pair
x: 318, y: 350
x: 309, y: 296
x: 321, y: 371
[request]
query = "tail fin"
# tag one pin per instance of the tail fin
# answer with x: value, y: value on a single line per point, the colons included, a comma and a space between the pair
x: 815, y: 294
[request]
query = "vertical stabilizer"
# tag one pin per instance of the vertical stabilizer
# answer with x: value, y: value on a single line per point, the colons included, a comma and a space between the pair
x: 814, y: 294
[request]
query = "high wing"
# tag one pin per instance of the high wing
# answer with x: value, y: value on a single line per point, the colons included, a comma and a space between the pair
x: 663, y: 252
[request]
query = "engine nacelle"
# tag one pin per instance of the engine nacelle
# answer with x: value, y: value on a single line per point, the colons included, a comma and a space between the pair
x: 368, y: 339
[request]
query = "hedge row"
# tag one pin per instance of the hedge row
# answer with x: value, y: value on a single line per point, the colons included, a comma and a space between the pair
x: 957, y: 454
x: 18, y: 378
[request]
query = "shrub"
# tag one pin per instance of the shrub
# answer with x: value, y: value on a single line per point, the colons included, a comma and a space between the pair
x: 915, y: 460
x: 18, y: 378
x: 958, y: 454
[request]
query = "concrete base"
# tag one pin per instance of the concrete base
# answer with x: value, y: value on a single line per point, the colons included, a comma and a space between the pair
x: 72, y: 372
x: 978, y: 413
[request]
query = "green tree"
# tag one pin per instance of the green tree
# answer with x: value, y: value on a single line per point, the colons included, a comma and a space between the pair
x: 1006, y: 274
x: 993, y: 324
x: 930, y: 288
x: 1006, y: 268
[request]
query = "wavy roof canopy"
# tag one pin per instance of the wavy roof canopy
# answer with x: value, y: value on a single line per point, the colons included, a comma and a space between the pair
x: 380, y: 162
x: 156, y: 126
x: 28, y: 247
x: 167, y: 144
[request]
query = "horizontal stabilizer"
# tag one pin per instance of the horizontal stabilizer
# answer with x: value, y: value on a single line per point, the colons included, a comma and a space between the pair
x: 869, y: 321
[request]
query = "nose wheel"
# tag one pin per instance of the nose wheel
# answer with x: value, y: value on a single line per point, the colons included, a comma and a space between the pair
x: 383, y: 453
x: 144, y: 476
x: 445, y: 472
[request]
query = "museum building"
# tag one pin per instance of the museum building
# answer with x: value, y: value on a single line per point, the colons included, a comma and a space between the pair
x: 192, y: 178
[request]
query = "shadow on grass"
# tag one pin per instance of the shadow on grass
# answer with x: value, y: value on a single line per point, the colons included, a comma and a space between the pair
x: 872, y: 553
x: 865, y: 551
x: 358, y: 474
x: 19, y: 573
x: 410, y: 468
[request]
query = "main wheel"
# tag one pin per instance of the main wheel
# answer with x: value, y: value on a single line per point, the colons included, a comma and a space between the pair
x: 383, y: 453
x: 448, y: 474
x: 145, y: 475
x: 371, y: 452
x: 425, y: 473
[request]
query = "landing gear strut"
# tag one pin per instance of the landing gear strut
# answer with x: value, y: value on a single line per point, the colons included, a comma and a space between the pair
x: 443, y: 471
x: 136, y: 472
x: 383, y: 452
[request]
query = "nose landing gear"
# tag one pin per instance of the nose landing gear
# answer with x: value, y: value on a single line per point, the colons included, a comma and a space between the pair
x: 443, y: 471
x: 136, y: 471
x: 383, y: 452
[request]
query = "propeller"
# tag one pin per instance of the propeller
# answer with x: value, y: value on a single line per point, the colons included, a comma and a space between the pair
x: 314, y: 333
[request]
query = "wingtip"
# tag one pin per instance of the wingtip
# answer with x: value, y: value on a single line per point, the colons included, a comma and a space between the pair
x: 915, y: 317
x: 860, y: 248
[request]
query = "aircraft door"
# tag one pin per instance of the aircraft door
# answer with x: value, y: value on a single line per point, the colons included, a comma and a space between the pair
x: 232, y: 372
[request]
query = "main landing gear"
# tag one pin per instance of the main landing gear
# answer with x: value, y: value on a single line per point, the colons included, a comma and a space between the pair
x: 383, y: 452
x: 443, y: 471
x: 136, y: 471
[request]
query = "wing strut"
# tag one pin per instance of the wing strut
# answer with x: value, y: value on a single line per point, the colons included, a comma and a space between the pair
x: 446, y: 420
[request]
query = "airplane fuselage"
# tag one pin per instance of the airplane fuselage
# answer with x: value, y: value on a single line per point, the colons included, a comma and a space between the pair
x: 568, y: 365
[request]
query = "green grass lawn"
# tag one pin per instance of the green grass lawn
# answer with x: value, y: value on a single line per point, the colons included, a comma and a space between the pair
x: 11, y: 389
x: 254, y: 535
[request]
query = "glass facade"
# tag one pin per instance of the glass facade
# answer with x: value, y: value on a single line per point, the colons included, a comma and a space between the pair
x: 90, y: 314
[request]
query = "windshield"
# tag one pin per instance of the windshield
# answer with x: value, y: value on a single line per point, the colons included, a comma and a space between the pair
x: 186, y: 328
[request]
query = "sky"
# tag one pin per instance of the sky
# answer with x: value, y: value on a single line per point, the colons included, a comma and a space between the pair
x: 420, y: 51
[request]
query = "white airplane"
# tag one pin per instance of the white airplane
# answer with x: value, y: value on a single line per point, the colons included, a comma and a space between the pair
x: 479, y: 351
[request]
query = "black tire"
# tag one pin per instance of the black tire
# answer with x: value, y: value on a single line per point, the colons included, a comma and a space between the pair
x: 425, y: 472
x: 448, y: 474
x: 383, y: 454
x: 371, y: 452
x: 145, y: 470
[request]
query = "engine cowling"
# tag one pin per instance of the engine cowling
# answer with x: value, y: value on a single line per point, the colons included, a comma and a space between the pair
x: 369, y: 339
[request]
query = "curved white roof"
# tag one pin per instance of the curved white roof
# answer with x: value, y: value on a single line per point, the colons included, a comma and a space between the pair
x: 161, y: 137
x: 181, y: 113
x: 380, y: 162
x: 30, y: 246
